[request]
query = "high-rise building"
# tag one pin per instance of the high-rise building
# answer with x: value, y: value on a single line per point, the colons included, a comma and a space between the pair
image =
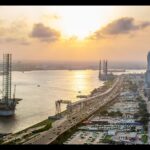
x: 103, y: 74
x: 147, y: 77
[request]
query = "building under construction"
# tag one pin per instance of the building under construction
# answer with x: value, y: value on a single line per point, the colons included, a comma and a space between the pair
x: 103, y: 74
x: 7, y: 103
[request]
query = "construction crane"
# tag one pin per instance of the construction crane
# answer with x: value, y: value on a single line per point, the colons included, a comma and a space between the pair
x: 58, y: 107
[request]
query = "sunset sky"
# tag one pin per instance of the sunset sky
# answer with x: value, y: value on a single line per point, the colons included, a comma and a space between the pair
x: 75, y: 33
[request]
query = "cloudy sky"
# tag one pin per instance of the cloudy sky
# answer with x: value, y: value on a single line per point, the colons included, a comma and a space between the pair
x: 75, y: 33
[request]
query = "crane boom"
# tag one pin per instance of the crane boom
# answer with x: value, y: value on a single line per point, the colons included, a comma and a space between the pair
x: 58, y: 105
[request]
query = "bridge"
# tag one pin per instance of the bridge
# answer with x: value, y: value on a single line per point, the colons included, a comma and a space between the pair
x: 81, y: 110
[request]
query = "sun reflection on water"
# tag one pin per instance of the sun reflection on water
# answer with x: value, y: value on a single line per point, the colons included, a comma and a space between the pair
x: 80, y: 81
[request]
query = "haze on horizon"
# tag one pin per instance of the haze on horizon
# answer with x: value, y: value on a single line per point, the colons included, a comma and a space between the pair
x: 75, y: 33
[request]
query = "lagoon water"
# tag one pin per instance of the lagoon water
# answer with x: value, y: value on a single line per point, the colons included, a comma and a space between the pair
x: 40, y: 89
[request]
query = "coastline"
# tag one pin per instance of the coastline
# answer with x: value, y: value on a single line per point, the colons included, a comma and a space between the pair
x: 95, y: 90
x: 75, y: 69
x: 29, y: 131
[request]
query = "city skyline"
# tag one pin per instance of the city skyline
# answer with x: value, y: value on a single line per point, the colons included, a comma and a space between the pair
x: 75, y: 75
x: 75, y: 33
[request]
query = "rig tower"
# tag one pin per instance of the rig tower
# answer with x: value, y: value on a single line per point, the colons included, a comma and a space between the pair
x: 7, y: 65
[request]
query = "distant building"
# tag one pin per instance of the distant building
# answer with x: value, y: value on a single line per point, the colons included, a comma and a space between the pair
x: 104, y: 76
x: 125, y: 137
x: 147, y: 77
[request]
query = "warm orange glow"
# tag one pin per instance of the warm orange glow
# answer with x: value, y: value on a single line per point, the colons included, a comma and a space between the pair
x: 79, y: 22
x: 75, y: 27
x: 80, y: 81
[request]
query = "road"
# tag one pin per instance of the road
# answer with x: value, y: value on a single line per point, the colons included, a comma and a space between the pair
x: 53, y: 133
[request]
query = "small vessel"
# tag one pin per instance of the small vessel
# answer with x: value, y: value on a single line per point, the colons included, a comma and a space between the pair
x: 38, y: 85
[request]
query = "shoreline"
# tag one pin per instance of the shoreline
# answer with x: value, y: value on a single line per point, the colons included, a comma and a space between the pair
x: 95, y: 90
x: 37, y: 124
x: 62, y: 113
x: 110, y: 70
x: 30, y: 132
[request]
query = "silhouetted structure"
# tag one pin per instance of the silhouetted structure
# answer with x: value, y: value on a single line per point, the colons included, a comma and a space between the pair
x: 147, y: 77
x: 104, y: 76
x: 7, y: 104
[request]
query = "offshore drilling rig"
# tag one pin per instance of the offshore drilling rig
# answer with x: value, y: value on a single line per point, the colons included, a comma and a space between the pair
x: 7, y: 103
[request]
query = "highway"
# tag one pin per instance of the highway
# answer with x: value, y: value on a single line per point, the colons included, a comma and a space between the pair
x: 96, y: 102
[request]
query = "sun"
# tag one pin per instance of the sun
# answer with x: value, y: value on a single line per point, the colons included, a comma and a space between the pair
x: 81, y: 21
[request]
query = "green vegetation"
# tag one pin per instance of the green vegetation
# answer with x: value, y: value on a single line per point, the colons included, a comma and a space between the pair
x: 139, y: 98
x: 107, y: 139
x: 13, y: 142
x: 27, y: 135
x: 143, y: 113
x: 104, y: 113
x: 144, y: 138
x: 108, y: 83
x: 34, y: 126
x: 46, y: 127
x: 114, y: 114
x: 66, y: 135
x: 132, y: 86
x: 1, y: 141
x: 106, y: 86
x: 133, y: 129
x: 47, y: 123
x: 103, y: 110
